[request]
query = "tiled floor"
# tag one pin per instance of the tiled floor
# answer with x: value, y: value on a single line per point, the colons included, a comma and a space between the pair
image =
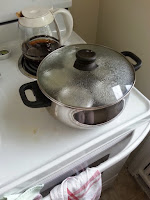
x: 124, y: 188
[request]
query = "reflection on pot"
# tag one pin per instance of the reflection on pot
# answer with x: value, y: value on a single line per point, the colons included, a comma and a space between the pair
x: 86, y: 119
x: 97, y: 117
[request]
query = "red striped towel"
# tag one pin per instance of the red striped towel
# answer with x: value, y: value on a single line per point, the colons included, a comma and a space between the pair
x: 85, y: 186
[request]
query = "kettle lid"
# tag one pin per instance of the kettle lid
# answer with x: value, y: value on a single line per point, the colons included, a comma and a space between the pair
x: 36, y: 17
x: 35, y: 12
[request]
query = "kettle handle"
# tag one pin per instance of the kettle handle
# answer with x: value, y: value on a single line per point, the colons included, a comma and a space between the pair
x: 68, y: 20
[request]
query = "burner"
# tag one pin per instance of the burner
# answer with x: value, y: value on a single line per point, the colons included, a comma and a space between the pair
x: 27, y: 68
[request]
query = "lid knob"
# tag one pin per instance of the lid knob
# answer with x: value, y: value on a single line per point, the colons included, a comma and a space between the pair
x: 85, y: 60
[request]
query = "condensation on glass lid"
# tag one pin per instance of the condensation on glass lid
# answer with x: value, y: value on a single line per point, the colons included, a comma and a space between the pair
x: 75, y: 96
x: 118, y: 92
x: 101, y: 87
x: 55, y: 79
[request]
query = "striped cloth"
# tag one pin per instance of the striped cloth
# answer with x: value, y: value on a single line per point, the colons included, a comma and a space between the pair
x: 85, y: 186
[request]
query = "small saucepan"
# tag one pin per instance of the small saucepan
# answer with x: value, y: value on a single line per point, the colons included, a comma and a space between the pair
x: 83, y: 85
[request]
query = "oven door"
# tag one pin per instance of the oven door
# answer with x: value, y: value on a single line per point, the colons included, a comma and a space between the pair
x: 108, y: 158
x: 108, y: 162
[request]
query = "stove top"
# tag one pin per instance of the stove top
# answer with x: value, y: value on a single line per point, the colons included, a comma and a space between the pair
x: 31, y: 139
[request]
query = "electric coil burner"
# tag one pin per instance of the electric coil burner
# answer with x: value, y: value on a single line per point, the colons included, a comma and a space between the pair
x: 27, y: 68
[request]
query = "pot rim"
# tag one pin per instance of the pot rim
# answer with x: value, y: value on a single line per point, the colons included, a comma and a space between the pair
x: 86, y: 108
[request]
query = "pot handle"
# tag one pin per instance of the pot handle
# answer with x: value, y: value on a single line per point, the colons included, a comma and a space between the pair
x: 133, y: 57
x: 41, y: 100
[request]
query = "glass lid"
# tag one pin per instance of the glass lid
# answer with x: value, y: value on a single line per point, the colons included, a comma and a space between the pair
x: 85, y: 76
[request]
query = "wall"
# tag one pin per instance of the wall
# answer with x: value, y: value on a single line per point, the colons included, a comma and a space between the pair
x: 85, y: 15
x: 125, y: 25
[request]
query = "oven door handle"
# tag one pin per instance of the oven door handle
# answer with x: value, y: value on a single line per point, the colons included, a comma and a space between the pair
x: 126, y: 151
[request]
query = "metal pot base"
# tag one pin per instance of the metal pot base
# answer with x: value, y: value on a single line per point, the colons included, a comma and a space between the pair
x: 86, y: 119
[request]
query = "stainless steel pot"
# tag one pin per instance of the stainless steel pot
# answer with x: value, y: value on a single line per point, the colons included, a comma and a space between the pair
x: 83, y: 86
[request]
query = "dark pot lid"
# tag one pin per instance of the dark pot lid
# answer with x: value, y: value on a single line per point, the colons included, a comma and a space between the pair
x: 85, y: 76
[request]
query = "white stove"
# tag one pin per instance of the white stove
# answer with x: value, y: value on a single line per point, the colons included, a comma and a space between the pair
x: 36, y: 148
